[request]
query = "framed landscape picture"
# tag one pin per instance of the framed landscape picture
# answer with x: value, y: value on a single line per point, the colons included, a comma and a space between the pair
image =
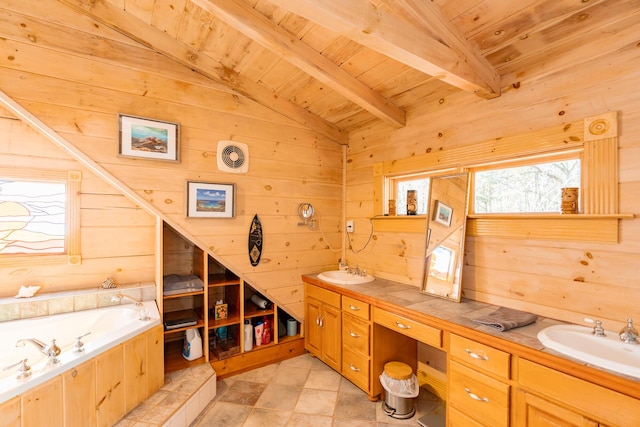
x: 149, y: 139
x: 443, y: 214
x: 210, y: 200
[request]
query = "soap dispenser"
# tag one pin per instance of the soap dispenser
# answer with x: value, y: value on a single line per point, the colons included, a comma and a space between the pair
x: 629, y: 334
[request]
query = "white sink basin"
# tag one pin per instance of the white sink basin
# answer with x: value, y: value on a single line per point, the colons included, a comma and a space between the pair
x: 343, y: 278
x: 605, y: 352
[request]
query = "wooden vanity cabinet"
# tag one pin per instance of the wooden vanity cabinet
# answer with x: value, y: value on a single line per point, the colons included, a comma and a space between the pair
x: 546, y: 396
x: 478, y: 386
x: 323, y: 325
x: 356, y: 337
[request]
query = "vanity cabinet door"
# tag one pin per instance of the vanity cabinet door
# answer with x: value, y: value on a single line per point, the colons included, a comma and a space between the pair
x: 10, y: 411
x: 533, y: 411
x: 42, y: 405
x: 135, y: 372
x: 110, y: 387
x: 155, y: 359
x: 323, y: 325
x: 79, y: 390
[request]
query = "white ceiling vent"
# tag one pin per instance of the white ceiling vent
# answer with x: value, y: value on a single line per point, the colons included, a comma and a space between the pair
x: 233, y: 157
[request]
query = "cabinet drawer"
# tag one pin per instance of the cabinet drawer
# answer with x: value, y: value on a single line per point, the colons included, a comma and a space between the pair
x: 357, y: 308
x: 355, y: 334
x: 588, y: 398
x: 355, y: 367
x: 480, y: 356
x: 458, y: 419
x: 421, y: 332
x: 322, y: 295
x: 478, y: 396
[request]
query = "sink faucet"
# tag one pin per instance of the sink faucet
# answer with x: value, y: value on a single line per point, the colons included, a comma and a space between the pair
x: 629, y: 334
x: 52, y: 351
x: 143, y: 314
x: 598, y: 330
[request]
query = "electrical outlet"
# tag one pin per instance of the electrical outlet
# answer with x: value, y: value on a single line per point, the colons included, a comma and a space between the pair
x: 350, y: 226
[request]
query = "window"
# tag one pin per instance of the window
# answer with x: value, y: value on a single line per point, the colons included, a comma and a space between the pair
x: 32, y: 217
x: 402, y: 185
x: 39, y: 217
x: 526, y: 188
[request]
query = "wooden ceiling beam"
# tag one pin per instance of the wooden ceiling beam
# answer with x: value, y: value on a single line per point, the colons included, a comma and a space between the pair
x: 413, y: 32
x: 127, y: 24
x: 262, y: 30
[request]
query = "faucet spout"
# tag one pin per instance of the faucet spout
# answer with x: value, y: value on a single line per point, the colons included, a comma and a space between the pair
x: 120, y: 296
x: 52, y: 351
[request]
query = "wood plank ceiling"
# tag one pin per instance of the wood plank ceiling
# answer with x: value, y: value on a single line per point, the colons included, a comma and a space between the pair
x: 338, y: 65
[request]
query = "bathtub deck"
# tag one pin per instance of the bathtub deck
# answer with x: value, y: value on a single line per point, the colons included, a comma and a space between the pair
x: 184, y: 395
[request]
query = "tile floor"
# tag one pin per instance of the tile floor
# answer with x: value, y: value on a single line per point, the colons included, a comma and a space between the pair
x: 300, y: 392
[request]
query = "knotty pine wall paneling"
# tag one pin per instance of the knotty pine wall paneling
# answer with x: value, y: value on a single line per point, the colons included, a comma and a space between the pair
x: 561, y: 279
x: 76, y: 77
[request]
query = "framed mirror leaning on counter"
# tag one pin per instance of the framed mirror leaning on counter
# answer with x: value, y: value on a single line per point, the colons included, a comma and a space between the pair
x: 446, y: 222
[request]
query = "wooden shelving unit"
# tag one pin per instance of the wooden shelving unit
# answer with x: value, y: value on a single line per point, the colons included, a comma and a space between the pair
x: 182, y: 257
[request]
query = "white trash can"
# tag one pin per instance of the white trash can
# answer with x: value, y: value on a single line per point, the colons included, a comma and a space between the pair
x: 401, y: 388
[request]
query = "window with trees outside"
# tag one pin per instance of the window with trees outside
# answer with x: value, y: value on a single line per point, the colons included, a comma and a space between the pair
x: 526, y: 188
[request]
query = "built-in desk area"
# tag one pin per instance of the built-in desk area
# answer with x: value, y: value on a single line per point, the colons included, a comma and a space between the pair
x: 493, y: 378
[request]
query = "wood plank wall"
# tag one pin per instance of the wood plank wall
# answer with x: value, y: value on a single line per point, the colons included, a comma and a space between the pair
x: 76, y: 77
x: 561, y: 279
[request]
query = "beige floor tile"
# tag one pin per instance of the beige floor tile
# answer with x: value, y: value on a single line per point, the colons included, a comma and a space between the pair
x: 316, y: 402
x: 224, y: 414
x: 243, y: 393
x: 260, y: 417
x: 323, y: 380
x: 355, y: 405
x: 294, y: 377
x: 279, y: 397
x: 301, y: 420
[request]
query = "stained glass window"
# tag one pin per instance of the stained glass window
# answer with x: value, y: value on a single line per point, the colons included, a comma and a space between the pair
x: 32, y: 217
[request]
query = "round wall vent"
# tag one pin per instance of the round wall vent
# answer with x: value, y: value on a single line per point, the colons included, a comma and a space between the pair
x: 233, y: 157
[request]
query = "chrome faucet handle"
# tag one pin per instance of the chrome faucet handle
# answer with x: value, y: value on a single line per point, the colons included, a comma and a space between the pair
x: 23, y: 371
x: 52, y: 351
x: 598, y: 330
x: 78, y: 347
x: 629, y: 334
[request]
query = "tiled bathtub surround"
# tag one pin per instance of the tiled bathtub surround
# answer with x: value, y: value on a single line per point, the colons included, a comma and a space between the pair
x: 46, y: 304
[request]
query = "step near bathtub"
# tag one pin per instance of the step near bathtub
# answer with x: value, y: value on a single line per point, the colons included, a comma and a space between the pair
x: 340, y: 277
x: 106, y: 328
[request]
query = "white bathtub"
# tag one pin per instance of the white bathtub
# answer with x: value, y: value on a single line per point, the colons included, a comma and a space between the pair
x: 108, y: 327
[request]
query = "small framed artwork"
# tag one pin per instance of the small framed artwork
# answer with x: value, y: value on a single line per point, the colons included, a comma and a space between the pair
x: 210, y: 200
x: 149, y: 139
x: 443, y: 214
x: 221, y: 311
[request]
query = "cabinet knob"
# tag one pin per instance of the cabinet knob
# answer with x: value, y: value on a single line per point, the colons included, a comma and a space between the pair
x: 354, y: 335
x: 354, y: 308
x: 353, y: 368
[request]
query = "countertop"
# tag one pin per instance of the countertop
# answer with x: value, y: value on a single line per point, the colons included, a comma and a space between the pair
x: 456, y: 317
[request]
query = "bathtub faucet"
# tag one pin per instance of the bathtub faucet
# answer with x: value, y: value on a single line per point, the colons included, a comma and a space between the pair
x: 119, y: 297
x: 143, y: 314
x: 52, y: 351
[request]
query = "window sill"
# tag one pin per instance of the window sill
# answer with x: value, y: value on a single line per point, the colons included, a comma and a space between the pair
x: 578, y: 227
